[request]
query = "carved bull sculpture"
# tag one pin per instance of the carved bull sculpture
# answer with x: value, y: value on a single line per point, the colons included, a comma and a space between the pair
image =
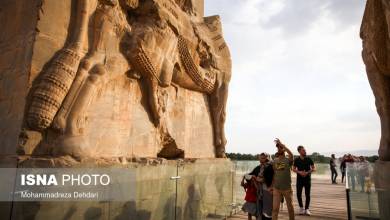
x: 164, y: 42
x: 376, y: 55
x: 173, y: 47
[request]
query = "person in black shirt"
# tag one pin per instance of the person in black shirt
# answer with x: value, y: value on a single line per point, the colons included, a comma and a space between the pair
x: 303, y: 166
x: 264, y: 170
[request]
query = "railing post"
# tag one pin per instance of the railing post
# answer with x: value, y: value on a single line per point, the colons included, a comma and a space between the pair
x: 348, y: 205
x: 347, y: 191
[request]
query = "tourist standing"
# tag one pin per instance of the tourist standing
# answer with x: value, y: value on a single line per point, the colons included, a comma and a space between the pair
x: 282, y: 180
x: 250, y: 187
x: 351, y: 171
x: 333, y: 170
x: 343, y: 167
x: 303, y: 166
x: 362, y: 172
x: 264, y: 173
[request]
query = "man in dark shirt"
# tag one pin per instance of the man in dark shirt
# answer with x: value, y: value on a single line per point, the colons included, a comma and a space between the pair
x: 303, y: 166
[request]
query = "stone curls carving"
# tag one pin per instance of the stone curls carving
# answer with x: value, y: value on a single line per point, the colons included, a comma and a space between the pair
x: 192, y: 69
x: 52, y: 89
x: 162, y: 46
x: 58, y: 77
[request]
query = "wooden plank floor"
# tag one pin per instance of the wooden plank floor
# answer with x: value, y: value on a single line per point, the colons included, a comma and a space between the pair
x: 328, y: 201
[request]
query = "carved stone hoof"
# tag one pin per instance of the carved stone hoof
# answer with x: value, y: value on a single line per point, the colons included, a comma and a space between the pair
x: 221, y: 155
x: 75, y: 146
x: 171, y: 153
x: 220, y: 152
x: 170, y: 149
x: 59, y: 124
x: 20, y: 150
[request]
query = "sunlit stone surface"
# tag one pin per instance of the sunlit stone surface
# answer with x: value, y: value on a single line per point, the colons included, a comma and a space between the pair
x: 91, y: 83
x: 94, y: 78
x: 376, y: 49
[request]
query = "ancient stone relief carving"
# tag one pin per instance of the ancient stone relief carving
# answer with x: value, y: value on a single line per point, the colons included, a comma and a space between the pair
x: 375, y: 35
x: 166, y: 44
x: 57, y: 79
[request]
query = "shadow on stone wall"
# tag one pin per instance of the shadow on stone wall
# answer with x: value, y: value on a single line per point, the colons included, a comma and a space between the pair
x: 129, y: 211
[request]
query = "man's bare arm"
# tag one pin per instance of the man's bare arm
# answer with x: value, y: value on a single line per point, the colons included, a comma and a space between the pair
x: 313, y: 168
x: 290, y: 154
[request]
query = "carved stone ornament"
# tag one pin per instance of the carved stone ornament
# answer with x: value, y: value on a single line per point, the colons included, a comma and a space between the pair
x: 165, y: 44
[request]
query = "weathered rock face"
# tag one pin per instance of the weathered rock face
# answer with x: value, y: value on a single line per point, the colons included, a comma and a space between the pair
x: 16, y: 41
x: 376, y: 55
x: 113, y: 78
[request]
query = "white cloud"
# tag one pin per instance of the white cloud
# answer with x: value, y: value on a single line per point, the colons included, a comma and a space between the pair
x: 297, y: 74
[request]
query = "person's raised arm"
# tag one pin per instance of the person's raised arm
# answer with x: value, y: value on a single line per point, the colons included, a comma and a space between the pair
x: 290, y: 154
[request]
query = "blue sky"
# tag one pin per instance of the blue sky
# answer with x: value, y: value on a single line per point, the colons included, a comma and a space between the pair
x: 297, y: 75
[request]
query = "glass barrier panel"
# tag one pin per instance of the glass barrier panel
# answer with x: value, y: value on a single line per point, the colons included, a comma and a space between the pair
x: 155, y: 194
x: 205, y: 189
x: 362, y: 194
x: 242, y: 168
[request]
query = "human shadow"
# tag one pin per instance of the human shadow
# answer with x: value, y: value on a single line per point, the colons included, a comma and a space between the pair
x: 93, y: 213
x: 193, y: 208
x: 130, y: 212
x: 25, y: 210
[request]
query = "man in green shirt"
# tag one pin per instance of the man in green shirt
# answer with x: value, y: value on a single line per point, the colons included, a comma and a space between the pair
x: 282, y: 180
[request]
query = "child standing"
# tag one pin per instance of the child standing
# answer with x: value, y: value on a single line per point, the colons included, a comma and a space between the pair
x: 250, y: 187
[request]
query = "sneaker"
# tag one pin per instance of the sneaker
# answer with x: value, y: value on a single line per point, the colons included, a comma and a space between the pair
x: 301, y: 211
x: 307, y: 212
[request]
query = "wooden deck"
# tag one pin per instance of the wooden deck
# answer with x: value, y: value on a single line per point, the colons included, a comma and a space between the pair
x: 328, y: 201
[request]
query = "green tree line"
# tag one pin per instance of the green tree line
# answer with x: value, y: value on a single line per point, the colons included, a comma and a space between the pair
x: 316, y: 157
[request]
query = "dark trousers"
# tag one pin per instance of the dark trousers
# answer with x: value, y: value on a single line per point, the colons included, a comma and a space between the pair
x: 300, y: 185
x: 264, y: 218
x: 334, y: 174
x: 351, y: 179
x: 362, y: 181
x: 342, y: 176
